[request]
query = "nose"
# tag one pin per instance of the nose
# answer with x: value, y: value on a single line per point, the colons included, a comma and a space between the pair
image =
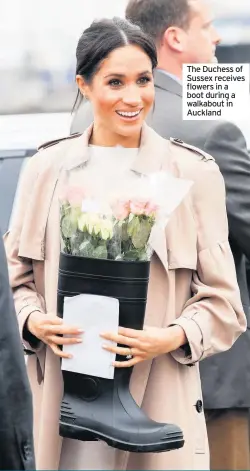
x: 132, y: 96
x: 216, y: 37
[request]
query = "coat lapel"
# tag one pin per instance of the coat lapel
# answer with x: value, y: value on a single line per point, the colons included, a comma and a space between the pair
x: 149, y: 160
x: 32, y: 237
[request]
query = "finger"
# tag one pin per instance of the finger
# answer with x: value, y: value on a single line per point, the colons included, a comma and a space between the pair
x: 118, y: 350
x: 55, y: 320
x: 63, y: 340
x: 126, y: 364
x: 122, y: 351
x: 130, y: 342
x: 133, y: 333
x: 63, y: 329
x: 58, y: 352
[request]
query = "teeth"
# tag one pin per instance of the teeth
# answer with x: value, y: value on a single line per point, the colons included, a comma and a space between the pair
x: 128, y: 114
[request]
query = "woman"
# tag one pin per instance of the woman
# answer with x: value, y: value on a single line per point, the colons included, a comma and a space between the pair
x: 194, y: 308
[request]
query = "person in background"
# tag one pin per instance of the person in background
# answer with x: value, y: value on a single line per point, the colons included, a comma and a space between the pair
x: 193, y: 310
x: 183, y: 32
x: 16, y: 418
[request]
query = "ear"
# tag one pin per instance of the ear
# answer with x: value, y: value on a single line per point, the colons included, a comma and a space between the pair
x: 83, y: 87
x: 175, y: 38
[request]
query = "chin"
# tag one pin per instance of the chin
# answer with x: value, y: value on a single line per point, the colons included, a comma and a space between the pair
x: 129, y: 129
x: 211, y: 60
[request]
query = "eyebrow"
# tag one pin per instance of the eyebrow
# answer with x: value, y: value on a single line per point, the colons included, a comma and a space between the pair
x: 122, y: 75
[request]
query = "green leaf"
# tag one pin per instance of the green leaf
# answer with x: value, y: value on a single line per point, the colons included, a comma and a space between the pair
x: 86, y: 249
x: 68, y: 225
x: 131, y: 255
x: 143, y: 256
x: 114, y: 248
x: 100, y: 252
x: 124, y: 232
x: 133, y: 226
x: 141, y: 234
x: 76, y: 240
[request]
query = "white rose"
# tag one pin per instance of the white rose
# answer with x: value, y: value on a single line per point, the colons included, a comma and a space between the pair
x: 106, y: 229
x: 82, y: 222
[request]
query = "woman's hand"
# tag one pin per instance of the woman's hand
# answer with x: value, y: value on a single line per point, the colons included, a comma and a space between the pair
x: 144, y: 344
x: 50, y: 328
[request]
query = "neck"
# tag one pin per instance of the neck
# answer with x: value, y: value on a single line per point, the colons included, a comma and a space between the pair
x: 170, y: 64
x: 104, y: 137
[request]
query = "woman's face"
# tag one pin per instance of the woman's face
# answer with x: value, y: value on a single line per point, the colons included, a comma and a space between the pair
x: 121, y: 92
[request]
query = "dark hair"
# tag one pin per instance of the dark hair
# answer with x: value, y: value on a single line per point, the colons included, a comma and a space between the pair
x: 103, y: 37
x: 155, y: 16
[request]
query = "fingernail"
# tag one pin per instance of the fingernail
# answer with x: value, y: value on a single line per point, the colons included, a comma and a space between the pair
x: 79, y: 340
x: 105, y: 347
x: 80, y: 331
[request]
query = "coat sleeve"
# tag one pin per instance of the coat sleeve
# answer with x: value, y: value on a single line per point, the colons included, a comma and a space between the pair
x: 227, y: 145
x: 213, y: 318
x: 21, y: 275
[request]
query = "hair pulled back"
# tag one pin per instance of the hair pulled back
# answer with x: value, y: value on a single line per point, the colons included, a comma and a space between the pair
x: 103, y: 37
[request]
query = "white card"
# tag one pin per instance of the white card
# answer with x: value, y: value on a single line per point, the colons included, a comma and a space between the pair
x: 94, y: 314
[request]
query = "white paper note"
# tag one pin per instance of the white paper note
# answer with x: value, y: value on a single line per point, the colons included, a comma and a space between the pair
x: 94, y: 314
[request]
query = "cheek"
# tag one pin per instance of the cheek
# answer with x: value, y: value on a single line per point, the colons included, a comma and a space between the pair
x: 197, y: 47
x: 206, y: 38
x: 104, y: 101
x: 148, y: 96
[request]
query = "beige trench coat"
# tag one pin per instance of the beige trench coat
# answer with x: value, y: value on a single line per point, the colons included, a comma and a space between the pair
x: 192, y: 256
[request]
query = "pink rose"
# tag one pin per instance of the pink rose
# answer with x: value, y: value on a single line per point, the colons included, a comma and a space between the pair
x: 151, y: 209
x: 121, y: 209
x: 137, y: 207
x: 75, y: 195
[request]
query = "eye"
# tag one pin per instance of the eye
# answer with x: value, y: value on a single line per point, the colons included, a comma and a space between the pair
x: 114, y: 82
x: 208, y: 25
x: 144, y: 80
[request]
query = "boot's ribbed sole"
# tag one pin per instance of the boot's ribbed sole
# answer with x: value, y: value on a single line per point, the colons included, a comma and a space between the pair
x: 78, y: 433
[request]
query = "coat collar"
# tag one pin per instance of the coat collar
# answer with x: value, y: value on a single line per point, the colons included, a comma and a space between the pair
x: 165, y: 82
x: 149, y: 158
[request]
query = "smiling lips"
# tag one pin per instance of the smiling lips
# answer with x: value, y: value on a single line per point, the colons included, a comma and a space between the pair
x: 129, y: 114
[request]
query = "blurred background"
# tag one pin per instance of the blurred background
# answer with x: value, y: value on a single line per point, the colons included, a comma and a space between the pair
x: 37, y: 51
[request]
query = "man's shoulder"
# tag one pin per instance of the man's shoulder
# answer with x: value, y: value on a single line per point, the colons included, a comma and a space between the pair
x: 168, y: 121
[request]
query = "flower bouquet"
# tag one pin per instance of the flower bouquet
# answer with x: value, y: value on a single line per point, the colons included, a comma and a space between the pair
x: 106, y: 251
x: 120, y: 232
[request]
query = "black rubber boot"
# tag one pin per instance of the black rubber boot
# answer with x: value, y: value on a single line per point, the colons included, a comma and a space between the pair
x: 103, y: 409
